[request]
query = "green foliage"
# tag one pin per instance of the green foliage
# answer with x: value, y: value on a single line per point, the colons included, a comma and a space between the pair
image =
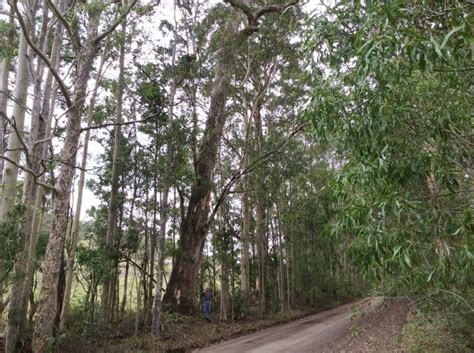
x: 396, y: 102
x: 395, y: 99
x: 438, y: 331
x: 10, y: 240
x: 6, y: 49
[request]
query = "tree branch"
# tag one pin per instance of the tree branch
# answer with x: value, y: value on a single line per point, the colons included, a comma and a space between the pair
x: 28, y: 170
x: 264, y: 158
x: 95, y: 127
x: 253, y: 17
x: 62, y: 85
x: 65, y: 23
x: 118, y: 21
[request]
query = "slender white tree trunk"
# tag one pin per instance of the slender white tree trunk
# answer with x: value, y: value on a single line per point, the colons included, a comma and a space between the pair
x: 10, y: 175
x: 14, y: 149
x: 4, y: 74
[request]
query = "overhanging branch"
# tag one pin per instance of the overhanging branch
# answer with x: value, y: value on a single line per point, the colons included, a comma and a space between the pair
x: 264, y: 158
x: 254, y: 16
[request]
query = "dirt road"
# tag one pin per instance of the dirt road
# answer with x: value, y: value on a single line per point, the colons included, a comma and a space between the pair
x: 316, y: 333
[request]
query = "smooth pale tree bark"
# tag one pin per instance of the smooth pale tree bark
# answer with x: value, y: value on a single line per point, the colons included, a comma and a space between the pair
x: 37, y: 130
x: 80, y: 190
x: 19, y: 298
x: 4, y: 74
x: 10, y: 175
x: 109, y: 289
x: 5, y: 66
x: 15, y: 147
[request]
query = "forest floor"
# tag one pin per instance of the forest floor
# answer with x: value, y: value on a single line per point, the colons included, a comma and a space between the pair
x: 367, y: 325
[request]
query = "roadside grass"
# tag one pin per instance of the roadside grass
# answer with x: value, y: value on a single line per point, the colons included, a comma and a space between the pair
x: 436, y: 332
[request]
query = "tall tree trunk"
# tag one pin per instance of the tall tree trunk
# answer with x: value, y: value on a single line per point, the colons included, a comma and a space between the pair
x: 157, y: 317
x: 246, y: 211
x: 48, y: 110
x: 261, y: 224
x: 71, y: 253
x: 224, y: 307
x: 10, y: 174
x: 145, y: 262
x: 153, y: 242
x: 4, y: 74
x: 52, y: 261
x: 109, y: 283
x: 14, y: 148
x: 33, y: 162
x: 125, y: 290
x: 181, y: 291
x: 131, y: 223
x: 281, y: 283
x: 182, y: 287
x: 157, y: 326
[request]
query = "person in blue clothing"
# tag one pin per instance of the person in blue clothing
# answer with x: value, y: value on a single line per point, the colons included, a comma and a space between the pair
x: 207, y: 303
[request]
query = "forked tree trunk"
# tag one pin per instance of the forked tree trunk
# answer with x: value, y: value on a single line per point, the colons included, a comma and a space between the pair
x: 182, y: 287
x: 47, y: 308
x: 180, y: 294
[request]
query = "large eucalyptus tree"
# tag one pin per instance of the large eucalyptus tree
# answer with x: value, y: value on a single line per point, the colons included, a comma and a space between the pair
x: 181, y: 291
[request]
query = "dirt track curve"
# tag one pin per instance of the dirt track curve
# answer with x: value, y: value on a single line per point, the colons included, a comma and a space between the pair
x: 315, y: 333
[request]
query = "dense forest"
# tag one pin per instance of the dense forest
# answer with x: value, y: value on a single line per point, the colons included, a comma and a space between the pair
x: 288, y: 155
